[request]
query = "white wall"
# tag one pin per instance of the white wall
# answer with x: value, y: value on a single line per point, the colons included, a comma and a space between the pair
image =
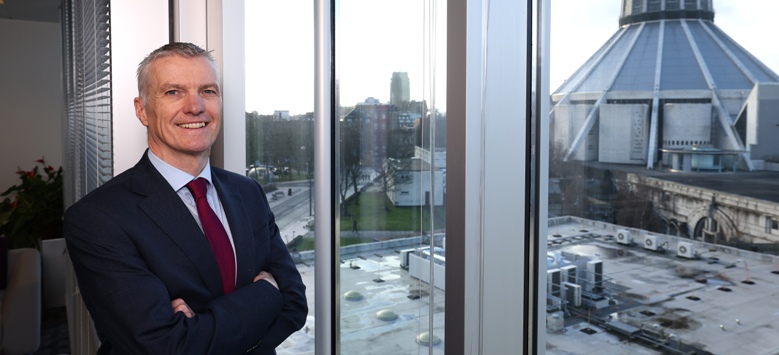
x: 130, y: 43
x: 30, y: 97
x: 495, y: 170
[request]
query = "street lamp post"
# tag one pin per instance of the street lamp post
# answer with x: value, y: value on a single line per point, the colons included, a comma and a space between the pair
x: 308, y: 176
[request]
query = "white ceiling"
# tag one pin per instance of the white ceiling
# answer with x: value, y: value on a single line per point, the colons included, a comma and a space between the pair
x: 31, y: 10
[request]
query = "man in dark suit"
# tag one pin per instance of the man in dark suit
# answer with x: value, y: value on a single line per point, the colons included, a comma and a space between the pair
x: 143, y: 253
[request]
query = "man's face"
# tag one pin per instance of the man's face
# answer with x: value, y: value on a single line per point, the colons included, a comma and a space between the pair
x: 183, y: 113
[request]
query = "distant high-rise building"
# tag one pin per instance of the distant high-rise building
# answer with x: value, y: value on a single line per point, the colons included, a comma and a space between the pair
x: 281, y: 115
x: 376, y: 123
x: 399, y: 91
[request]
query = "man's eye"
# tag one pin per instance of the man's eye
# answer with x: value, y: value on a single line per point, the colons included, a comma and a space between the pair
x: 210, y: 92
x: 171, y: 92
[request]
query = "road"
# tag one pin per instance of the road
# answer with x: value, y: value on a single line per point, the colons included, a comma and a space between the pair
x: 292, y: 211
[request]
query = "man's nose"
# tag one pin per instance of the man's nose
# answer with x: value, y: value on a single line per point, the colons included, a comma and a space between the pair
x: 194, y: 104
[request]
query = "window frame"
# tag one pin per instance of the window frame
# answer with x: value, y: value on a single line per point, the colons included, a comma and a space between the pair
x: 477, y: 285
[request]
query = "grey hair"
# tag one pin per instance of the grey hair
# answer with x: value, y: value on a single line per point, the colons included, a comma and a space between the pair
x: 187, y: 50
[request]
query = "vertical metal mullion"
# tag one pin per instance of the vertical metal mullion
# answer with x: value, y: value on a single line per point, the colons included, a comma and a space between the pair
x: 533, y: 175
x: 541, y: 183
x: 458, y: 340
x: 431, y: 61
x: 326, y: 244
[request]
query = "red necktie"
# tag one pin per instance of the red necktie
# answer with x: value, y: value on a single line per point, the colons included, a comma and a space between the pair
x: 215, y: 233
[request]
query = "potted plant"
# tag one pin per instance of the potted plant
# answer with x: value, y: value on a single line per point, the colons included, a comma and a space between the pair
x: 32, y: 210
x: 31, y: 217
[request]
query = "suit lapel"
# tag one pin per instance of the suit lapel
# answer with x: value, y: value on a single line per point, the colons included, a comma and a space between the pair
x: 240, y: 227
x: 165, y: 208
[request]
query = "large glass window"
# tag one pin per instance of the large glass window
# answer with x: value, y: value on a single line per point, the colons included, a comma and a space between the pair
x: 280, y: 130
x: 391, y: 176
x: 655, y: 245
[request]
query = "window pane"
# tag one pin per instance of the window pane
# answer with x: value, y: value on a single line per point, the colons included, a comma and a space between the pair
x: 279, y: 131
x: 661, y: 187
x: 391, y: 177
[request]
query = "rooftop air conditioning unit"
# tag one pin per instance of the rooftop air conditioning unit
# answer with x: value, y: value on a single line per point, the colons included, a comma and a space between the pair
x: 650, y: 242
x: 568, y: 274
x: 404, y: 258
x: 685, y: 250
x: 553, y: 282
x: 573, y: 293
x: 594, y: 276
x: 623, y: 237
x: 553, y: 303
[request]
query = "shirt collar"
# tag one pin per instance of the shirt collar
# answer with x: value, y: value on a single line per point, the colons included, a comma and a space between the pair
x: 175, y: 177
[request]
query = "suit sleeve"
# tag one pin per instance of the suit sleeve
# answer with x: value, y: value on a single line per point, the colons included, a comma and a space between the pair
x: 130, y: 304
x: 294, y: 308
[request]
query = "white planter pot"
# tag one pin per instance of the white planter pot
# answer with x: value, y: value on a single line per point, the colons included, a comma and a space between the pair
x: 53, y: 272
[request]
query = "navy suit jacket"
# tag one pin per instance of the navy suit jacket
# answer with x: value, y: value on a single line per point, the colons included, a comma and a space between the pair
x: 135, y: 247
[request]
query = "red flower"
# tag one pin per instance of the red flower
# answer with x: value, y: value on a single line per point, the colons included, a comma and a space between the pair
x: 40, y: 160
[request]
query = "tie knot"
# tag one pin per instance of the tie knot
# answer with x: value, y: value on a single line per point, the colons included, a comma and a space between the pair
x: 198, y: 187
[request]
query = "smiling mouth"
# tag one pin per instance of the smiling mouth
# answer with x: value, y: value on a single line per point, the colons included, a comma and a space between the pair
x: 193, y: 125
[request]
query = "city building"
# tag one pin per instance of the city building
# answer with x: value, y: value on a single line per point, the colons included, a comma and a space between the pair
x: 411, y: 112
x: 281, y: 115
x: 377, y: 124
x: 674, y: 93
x: 399, y: 88
x: 684, y: 93
x: 662, y: 137
x: 411, y: 184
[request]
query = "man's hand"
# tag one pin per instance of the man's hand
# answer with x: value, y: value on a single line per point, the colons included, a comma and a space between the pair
x: 264, y: 275
x: 180, y: 306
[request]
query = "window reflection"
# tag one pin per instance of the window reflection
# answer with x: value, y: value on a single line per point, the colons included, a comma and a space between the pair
x: 651, y: 224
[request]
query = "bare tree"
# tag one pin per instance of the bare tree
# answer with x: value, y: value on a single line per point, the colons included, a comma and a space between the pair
x: 351, y: 162
x: 635, y: 206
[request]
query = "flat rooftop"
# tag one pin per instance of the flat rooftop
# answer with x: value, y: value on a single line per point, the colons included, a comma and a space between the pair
x: 362, y: 331
x: 721, y: 302
x: 701, y: 304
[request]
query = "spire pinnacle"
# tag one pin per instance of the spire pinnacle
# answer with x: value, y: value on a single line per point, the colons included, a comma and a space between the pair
x: 635, y: 11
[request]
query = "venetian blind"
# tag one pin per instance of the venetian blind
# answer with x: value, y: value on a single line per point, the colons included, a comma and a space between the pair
x: 87, y: 96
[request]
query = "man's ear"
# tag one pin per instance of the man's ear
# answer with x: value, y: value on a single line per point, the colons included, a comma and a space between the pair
x: 140, y: 111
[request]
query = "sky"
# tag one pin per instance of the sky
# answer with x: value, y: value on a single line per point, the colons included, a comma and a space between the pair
x: 379, y: 37
x: 752, y: 23
x: 376, y: 38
